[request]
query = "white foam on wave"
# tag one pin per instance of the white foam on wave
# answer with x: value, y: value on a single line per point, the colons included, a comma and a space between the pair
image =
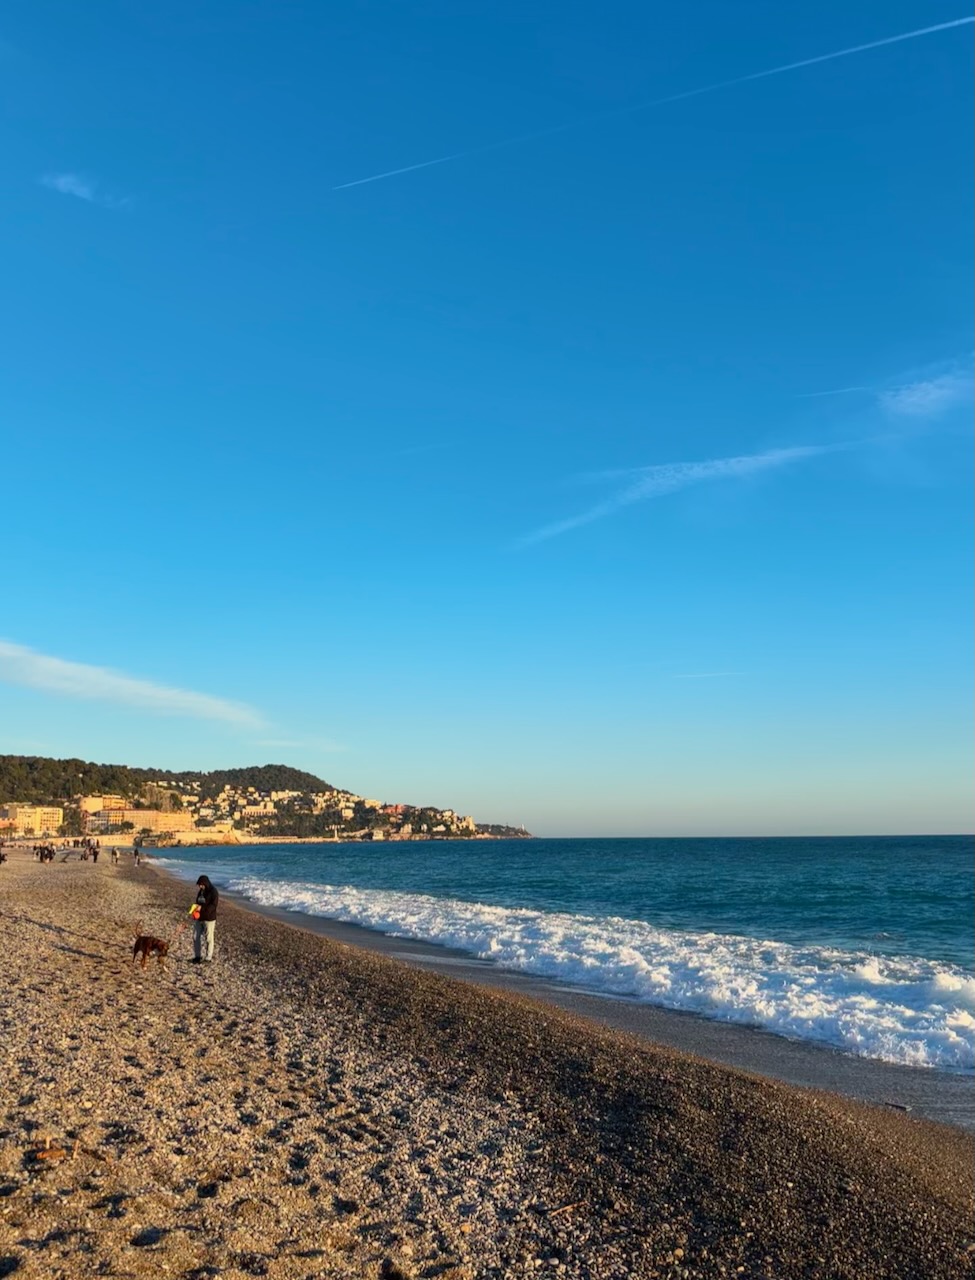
x: 902, y: 1009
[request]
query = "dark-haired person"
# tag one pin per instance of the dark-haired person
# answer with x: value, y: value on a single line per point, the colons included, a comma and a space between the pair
x: 205, y: 923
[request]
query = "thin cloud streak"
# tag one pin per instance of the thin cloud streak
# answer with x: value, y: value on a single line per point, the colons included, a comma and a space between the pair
x: 838, y: 391
x: 22, y: 666
x: 619, y: 112
x: 393, y: 173
x: 656, y: 481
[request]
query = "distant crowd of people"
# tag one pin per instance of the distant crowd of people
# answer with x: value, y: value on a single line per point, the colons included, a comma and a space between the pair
x: 87, y: 849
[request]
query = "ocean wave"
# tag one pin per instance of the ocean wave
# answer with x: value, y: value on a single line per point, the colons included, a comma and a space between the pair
x: 901, y: 1009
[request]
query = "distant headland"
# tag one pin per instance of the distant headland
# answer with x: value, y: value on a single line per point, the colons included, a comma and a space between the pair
x: 43, y: 797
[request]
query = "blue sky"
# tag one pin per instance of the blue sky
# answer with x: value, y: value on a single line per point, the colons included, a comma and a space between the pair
x: 613, y: 480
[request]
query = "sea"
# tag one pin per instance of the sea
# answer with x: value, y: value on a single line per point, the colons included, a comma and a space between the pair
x: 864, y: 944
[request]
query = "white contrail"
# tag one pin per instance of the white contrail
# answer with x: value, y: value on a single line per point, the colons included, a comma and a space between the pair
x: 655, y: 481
x: 659, y: 102
x: 837, y: 391
x: 392, y: 173
x: 475, y: 151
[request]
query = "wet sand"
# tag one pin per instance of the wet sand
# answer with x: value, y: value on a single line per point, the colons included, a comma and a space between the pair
x: 306, y: 1109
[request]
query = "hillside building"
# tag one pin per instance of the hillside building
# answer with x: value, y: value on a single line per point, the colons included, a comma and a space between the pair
x: 32, y: 819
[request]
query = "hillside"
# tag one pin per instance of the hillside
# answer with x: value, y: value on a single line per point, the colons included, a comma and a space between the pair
x: 268, y: 801
x: 39, y: 780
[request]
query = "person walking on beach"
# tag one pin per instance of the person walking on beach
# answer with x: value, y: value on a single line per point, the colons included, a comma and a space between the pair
x: 205, y: 923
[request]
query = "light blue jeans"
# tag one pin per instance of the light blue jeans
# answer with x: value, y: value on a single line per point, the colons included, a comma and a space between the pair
x: 203, y: 939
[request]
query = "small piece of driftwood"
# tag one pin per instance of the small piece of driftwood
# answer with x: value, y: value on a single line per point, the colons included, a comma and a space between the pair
x: 576, y: 1204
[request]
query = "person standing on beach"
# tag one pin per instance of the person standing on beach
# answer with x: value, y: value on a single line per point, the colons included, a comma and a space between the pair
x: 205, y: 923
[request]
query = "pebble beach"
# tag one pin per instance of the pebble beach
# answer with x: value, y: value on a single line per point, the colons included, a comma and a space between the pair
x: 301, y: 1108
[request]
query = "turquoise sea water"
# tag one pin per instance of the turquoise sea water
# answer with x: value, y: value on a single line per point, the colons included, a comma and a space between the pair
x: 863, y: 943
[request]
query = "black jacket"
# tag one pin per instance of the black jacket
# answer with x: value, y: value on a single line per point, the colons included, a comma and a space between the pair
x: 207, y: 898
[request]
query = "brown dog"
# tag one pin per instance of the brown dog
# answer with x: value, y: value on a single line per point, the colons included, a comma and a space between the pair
x: 150, y: 947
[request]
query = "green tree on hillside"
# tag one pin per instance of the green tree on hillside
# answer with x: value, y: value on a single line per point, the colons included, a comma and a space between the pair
x: 39, y: 780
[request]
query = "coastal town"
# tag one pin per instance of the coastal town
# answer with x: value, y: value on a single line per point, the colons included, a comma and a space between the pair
x: 217, y: 809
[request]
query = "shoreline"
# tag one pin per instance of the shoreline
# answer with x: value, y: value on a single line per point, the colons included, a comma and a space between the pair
x: 308, y: 1110
x: 926, y: 1092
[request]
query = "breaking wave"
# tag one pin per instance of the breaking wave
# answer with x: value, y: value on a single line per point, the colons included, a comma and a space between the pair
x: 902, y: 1009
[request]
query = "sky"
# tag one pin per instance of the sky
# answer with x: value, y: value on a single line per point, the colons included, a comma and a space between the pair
x: 557, y: 413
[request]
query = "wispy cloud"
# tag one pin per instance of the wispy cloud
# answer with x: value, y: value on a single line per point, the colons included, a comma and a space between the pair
x: 659, y: 102
x: 928, y: 397
x: 655, y: 481
x: 70, y: 184
x: 22, y: 666
x: 923, y: 395
x: 83, y: 188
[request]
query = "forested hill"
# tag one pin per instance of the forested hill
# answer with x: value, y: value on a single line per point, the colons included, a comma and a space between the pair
x: 38, y: 780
